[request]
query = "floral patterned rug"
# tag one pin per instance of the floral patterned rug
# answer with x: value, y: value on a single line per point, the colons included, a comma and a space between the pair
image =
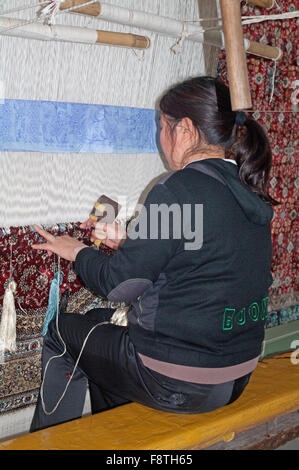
x: 279, y: 119
x: 32, y: 270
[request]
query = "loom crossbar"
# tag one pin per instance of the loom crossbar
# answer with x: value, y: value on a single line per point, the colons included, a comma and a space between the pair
x: 262, y: 3
x: 71, y: 34
x: 163, y: 25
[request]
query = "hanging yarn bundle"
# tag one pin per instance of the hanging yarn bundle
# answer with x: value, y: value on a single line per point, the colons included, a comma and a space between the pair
x: 54, y: 298
x: 8, y: 321
x: 120, y: 317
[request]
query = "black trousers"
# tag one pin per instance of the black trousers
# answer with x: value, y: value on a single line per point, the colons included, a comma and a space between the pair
x: 112, y: 369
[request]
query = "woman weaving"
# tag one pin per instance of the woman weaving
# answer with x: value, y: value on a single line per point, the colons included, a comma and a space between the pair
x: 197, y: 311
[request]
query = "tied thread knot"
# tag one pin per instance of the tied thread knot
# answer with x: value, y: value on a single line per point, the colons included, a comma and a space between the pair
x: 49, y: 12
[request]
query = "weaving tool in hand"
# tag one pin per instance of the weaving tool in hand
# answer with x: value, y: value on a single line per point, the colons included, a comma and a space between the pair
x: 104, y: 210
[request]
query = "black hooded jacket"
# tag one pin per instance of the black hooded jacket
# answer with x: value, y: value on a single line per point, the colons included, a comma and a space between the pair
x: 197, y: 282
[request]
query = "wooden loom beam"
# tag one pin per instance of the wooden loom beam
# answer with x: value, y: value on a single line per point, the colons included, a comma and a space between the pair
x: 251, y: 47
x: 170, y: 28
x: 71, y: 34
x: 235, y: 55
x: 262, y: 50
x: 262, y: 3
x: 91, y: 10
x: 122, y: 39
x: 95, y: 8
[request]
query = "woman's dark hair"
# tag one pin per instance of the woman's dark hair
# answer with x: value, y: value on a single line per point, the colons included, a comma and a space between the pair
x: 206, y: 102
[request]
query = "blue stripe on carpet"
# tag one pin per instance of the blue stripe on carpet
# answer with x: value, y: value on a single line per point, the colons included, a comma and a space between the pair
x: 58, y: 127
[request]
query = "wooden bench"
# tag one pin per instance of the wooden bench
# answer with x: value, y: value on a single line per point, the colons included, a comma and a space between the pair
x: 273, y: 391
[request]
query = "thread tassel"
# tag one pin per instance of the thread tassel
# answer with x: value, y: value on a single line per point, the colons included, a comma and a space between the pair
x: 54, y: 299
x: 49, y: 12
x: 8, y: 321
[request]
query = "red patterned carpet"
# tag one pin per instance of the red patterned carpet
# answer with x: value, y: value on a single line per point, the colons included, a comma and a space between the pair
x: 279, y: 119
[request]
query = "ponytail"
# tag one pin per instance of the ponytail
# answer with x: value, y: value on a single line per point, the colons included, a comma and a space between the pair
x: 206, y: 101
x: 253, y: 155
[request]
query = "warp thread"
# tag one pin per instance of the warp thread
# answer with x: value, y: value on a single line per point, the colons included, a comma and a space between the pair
x: 246, y: 20
x: 274, y: 75
x: 49, y: 12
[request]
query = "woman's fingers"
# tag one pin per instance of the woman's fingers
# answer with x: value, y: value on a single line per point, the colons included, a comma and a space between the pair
x: 41, y: 246
x: 89, y: 223
x: 44, y: 246
x: 98, y: 234
x: 111, y: 235
x: 48, y: 236
x: 63, y: 246
x: 83, y: 225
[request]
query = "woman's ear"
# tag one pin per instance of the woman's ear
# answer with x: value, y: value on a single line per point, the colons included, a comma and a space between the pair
x: 187, y: 131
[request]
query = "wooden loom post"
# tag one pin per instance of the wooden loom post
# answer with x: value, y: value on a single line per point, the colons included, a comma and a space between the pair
x: 235, y: 55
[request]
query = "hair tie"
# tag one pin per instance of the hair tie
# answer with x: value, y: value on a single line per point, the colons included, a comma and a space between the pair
x: 241, y: 118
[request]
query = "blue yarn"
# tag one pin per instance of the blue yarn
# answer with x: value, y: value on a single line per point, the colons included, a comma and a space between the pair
x: 52, y: 304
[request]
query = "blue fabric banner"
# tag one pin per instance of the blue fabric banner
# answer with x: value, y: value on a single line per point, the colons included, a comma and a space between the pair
x: 58, y: 127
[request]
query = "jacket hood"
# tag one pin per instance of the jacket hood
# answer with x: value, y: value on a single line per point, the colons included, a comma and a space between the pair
x: 256, y: 210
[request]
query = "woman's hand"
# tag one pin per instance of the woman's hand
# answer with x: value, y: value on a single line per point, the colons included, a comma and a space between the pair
x: 64, y: 246
x: 112, y: 235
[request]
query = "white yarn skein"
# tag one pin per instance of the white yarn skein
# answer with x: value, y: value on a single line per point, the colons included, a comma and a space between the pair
x: 8, y: 321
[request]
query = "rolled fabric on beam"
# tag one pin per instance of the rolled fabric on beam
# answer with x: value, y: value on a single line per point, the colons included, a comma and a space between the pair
x: 161, y: 25
x: 262, y: 3
x: 96, y: 8
x: 71, y: 34
x: 139, y: 19
x: 235, y: 55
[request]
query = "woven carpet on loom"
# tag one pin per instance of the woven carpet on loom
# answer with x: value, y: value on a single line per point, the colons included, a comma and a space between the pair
x: 20, y: 374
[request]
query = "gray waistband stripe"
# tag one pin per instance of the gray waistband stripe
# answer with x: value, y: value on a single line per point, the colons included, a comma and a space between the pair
x: 129, y: 290
x: 200, y: 375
